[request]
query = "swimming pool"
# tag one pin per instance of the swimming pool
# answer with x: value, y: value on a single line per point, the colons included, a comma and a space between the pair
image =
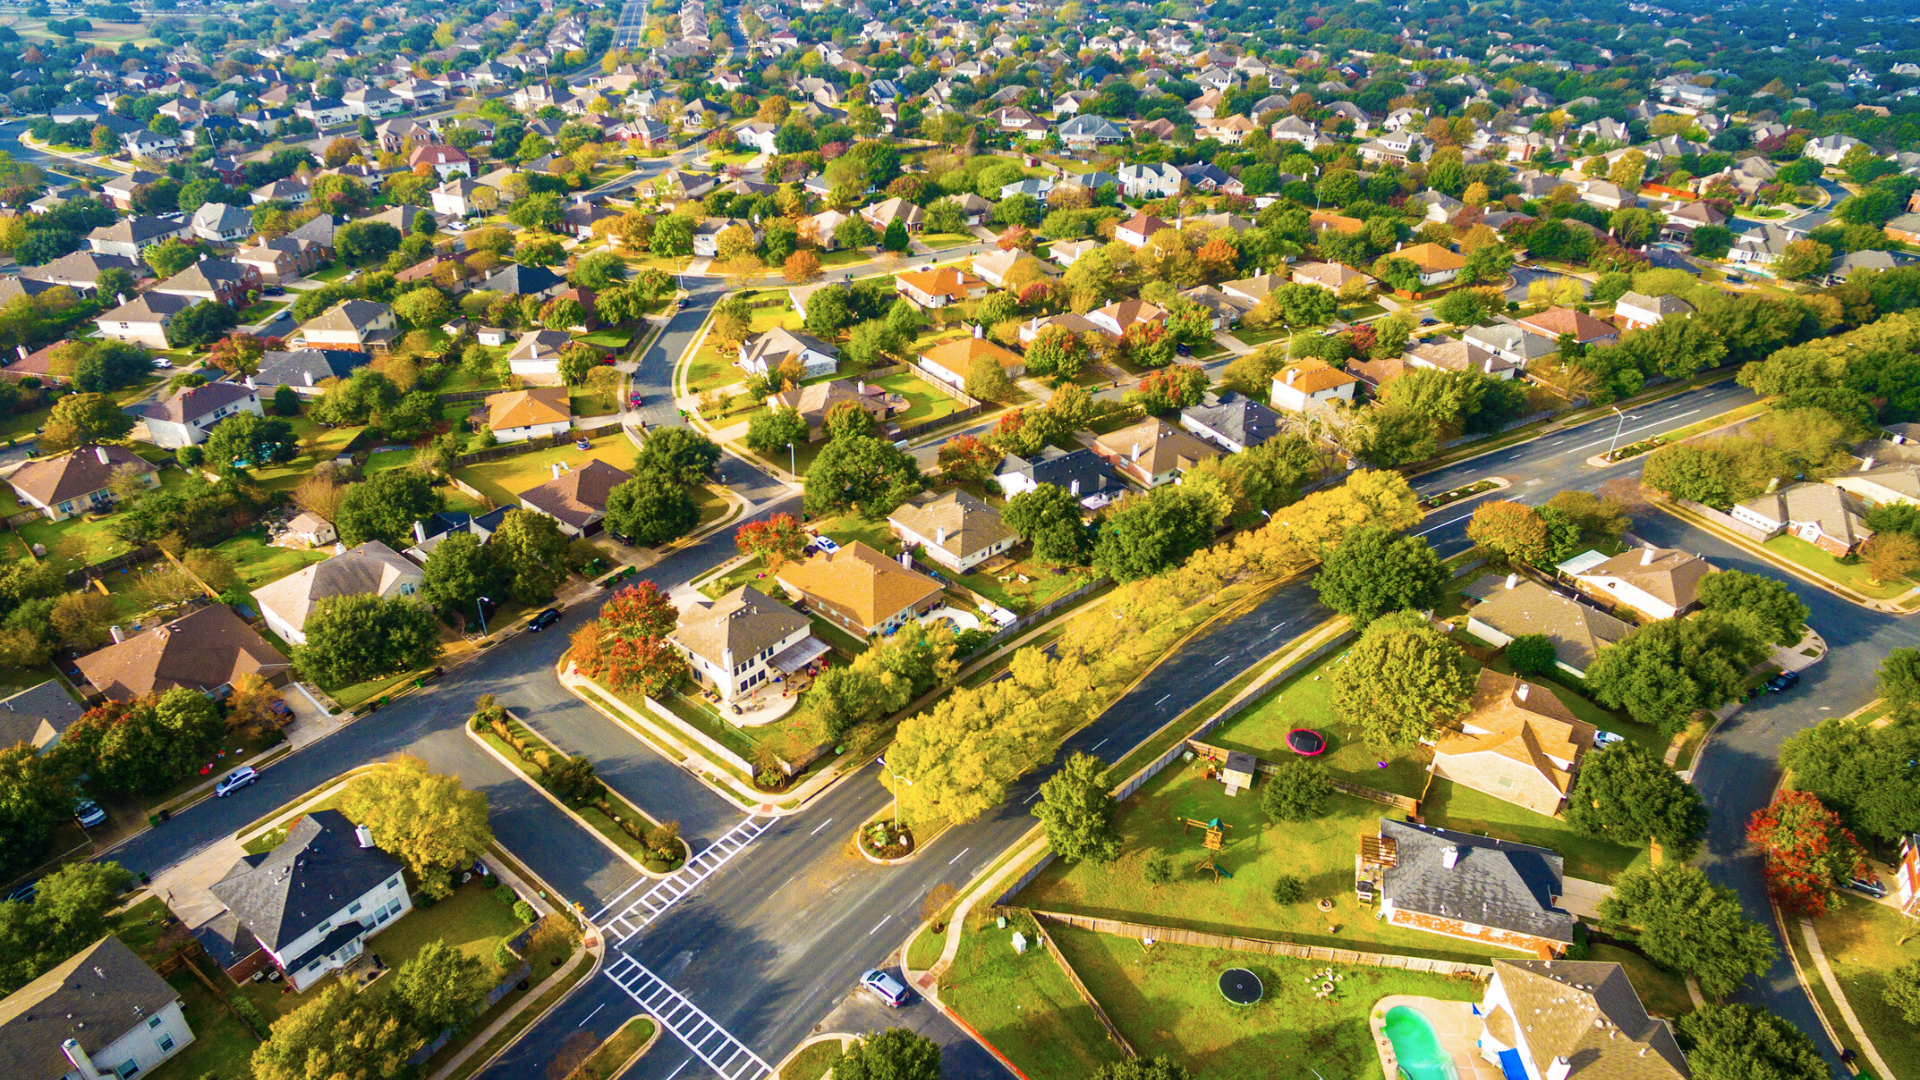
x: 1416, y: 1049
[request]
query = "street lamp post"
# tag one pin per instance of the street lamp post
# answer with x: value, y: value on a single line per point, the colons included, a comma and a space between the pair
x: 478, y: 601
x: 896, y: 797
x: 1616, y: 427
x: 793, y: 461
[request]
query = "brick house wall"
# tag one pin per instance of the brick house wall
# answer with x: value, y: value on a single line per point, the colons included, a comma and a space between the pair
x: 1454, y: 928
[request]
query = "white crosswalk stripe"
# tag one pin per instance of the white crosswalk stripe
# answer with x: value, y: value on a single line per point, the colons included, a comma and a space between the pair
x: 639, y: 914
x: 723, y: 1053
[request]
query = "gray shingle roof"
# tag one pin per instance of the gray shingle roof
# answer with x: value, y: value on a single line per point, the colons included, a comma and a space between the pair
x: 316, y: 871
x: 196, y: 401
x: 1494, y: 883
x: 94, y: 998
x: 1239, y: 419
x: 743, y: 622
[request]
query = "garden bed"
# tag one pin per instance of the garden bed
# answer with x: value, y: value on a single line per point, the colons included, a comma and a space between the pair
x: 881, y: 839
x: 1455, y: 495
x: 608, y: 814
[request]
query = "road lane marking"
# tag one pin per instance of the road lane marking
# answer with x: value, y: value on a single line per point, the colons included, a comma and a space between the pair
x: 1631, y: 431
x: 1029, y: 798
x: 1444, y: 524
x: 700, y: 1033
x: 956, y: 858
x: 676, y: 1072
x: 878, y: 925
x: 1100, y: 744
x: 591, y: 1015
x: 668, y: 891
x: 820, y: 826
x: 1163, y: 697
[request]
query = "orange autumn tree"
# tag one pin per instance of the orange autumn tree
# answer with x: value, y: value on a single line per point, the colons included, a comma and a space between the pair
x: 777, y: 539
x: 627, y: 647
x: 1808, y: 852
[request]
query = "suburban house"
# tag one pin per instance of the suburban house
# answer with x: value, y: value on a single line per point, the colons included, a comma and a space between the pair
x: 1087, y: 132
x: 1570, y: 1020
x: 518, y: 280
x: 311, y: 529
x: 305, y: 370
x: 1556, y: 322
x: 1828, y: 517
x: 994, y: 266
x: 576, y: 498
x: 37, y: 716
x: 1636, y: 311
x: 1152, y: 452
x: 130, y: 236
x: 281, y: 259
x: 537, y: 412
x: 741, y: 640
x: 949, y: 362
x: 953, y: 529
x: 1437, y: 265
x: 1517, y: 743
x: 308, y: 906
x: 462, y: 196
x: 203, y: 650
x: 143, y: 320
x: 1329, y: 276
x: 185, y: 417
x: 814, y: 400
x: 372, y: 569
x: 76, y: 482
x: 536, y: 356
x: 1122, y: 315
x: 1519, y: 606
x: 1082, y: 473
x: 1659, y: 583
x: 1508, y: 341
x: 1232, y: 422
x: 1309, y: 382
x: 219, y: 281
x: 353, y: 325
x: 884, y: 213
x: 939, y: 287
x: 1878, y: 485
x: 706, y: 235
x: 768, y: 352
x: 446, y: 162
x: 101, y: 1013
x: 1475, y: 888
x: 1138, y: 229
x: 860, y: 590
x: 222, y: 223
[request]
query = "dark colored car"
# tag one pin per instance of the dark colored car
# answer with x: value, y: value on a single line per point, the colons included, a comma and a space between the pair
x: 544, y: 619
x: 1869, y: 885
x: 1779, y: 683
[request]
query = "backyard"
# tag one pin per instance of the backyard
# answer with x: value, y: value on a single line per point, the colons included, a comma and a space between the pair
x: 924, y: 401
x: 77, y: 541
x: 259, y: 562
x: 317, y: 444
x: 1848, y: 573
x: 504, y: 478
x: 1025, y: 585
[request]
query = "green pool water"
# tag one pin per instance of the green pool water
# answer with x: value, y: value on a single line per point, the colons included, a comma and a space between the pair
x: 1415, y: 1046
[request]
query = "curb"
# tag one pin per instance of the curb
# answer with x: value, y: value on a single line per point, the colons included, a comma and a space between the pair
x: 811, y: 1040
x: 1760, y: 552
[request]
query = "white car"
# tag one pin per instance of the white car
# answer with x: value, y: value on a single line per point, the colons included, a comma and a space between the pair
x: 162, y: 363
x: 234, y: 781
x: 1604, y: 739
x: 456, y: 226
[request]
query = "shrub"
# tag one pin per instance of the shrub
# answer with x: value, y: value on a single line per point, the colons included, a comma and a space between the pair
x: 503, y: 957
x: 523, y: 911
x: 506, y: 895
x: 1531, y: 654
x: 1298, y: 790
x: 1288, y: 889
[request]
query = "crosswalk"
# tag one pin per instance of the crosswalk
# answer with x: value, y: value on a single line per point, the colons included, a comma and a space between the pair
x: 724, y: 1054
x: 639, y: 914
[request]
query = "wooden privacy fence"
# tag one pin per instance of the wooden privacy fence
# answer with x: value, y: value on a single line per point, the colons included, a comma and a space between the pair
x: 1399, y: 802
x: 1262, y: 946
x: 524, y: 446
x: 455, y: 396
x: 1080, y: 988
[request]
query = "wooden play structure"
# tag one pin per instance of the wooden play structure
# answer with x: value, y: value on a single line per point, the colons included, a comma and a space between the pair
x: 1216, y: 836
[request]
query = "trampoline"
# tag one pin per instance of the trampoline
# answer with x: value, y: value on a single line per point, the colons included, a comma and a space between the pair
x: 1306, y: 742
x: 1240, y: 986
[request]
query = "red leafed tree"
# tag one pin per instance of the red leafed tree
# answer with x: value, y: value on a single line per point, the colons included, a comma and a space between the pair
x: 241, y: 353
x: 648, y: 665
x: 639, y: 611
x: 964, y: 458
x: 1016, y: 236
x: 1808, y: 852
x: 778, y: 538
x: 588, y: 654
x: 1363, y: 340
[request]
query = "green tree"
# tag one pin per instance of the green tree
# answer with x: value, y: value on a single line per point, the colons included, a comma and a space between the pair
x: 458, y: 572
x: 860, y: 471
x: 672, y: 236
x: 199, y: 324
x: 351, y: 639
x: 679, y: 455
x: 1780, y: 613
x: 1903, y: 990
x: 1688, y: 924
x: 651, y: 508
x: 1297, y: 790
x: 1143, y: 536
x: 1511, y: 530
x: 364, y: 242
x: 439, y: 988
x: 894, y: 1054
x: 530, y: 551
x: 1740, y: 1042
x: 770, y: 430
x: 1900, y: 683
x: 1863, y: 773
x: 987, y: 380
x: 1700, y: 474
x: 341, y: 1035
x: 67, y: 913
x: 424, y: 819
x: 1626, y: 795
x: 1076, y: 808
x: 384, y: 507
x: 1160, y: 1068
x: 1667, y: 671
x: 169, y: 257
x: 1050, y: 518
x: 32, y: 802
x: 1531, y: 654
x: 248, y: 441
x: 1401, y: 681
x: 1375, y: 570
x: 286, y: 401
x: 80, y: 419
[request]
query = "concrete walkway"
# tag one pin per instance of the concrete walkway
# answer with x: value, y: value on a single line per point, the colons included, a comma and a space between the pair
x: 1840, y: 999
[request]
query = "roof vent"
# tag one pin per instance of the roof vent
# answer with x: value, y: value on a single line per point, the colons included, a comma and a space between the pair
x: 1646, y: 556
x: 364, y: 835
x: 1451, y: 857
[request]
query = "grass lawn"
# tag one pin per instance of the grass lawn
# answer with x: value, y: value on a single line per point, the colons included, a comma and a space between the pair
x: 710, y: 369
x: 586, y: 402
x: 1166, y: 1001
x: 937, y: 241
x: 612, y: 339
x: 1850, y: 574
x: 1023, y: 1004
x: 139, y: 928
x: 222, y: 1045
x: 503, y: 479
x: 1257, y: 338
x: 1662, y: 992
x: 75, y: 542
x: 924, y: 402
x: 1861, y: 939
x: 317, y: 444
x: 614, y: 1053
x: 259, y: 562
x: 813, y: 1062
x: 462, y: 379
x: 331, y: 274
x: 260, y: 311
x: 1451, y: 806
x: 797, y: 461
x: 373, y: 689
x: 712, y: 505
x: 849, y: 528
x: 1320, y: 853
x: 1041, y: 587
x: 23, y: 425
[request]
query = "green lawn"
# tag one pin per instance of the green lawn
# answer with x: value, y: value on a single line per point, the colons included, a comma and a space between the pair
x: 924, y: 402
x: 317, y: 444
x: 1451, y: 806
x: 1166, y: 1000
x: 222, y: 1045
x: 1041, y: 586
x: 373, y: 689
x: 503, y: 479
x: 1023, y: 1004
x: 813, y: 1062
x: 614, y: 1053
x: 937, y: 241
x: 462, y: 379
x: 611, y: 339
x: 1851, y: 574
x: 140, y: 928
x: 23, y: 425
x: 1861, y: 940
x: 586, y: 402
x: 75, y: 542
x: 797, y: 461
x: 1320, y: 853
x: 247, y: 316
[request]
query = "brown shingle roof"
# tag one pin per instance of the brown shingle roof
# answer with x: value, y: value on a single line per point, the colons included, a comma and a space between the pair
x: 1524, y: 724
x: 1558, y: 320
x: 1432, y: 258
x: 1162, y: 446
x: 743, y: 622
x: 1586, y: 1011
x: 204, y: 650
x: 959, y: 354
x: 860, y: 582
x: 1578, y: 631
x: 1669, y: 574
x: 80, y: 471
x: 579, y: 496
x: 970, y: 525
x: 526, y: 408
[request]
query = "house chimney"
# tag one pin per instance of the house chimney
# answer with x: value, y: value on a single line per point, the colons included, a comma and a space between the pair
x: 22, y: 350
x: 1647, y: 556
x: 1292, y: 373
x: 81, y: 1062
x: 1513, y: 580
x: 364, y: 835
x: 249, y: 382
x: 1135, y: 456
x: 419, y: 533
x: 117, y: 634
x: 1073, y: 489
x: 101, y: 453
x: 1520, y: 691
x: 121, y: 297
x: 1773, y: 484
x: 308, y: 376
x: 861, y: 387
x: 1451, y: 856
x: 1866, y: 463
x: 979, y: 331
x: 1560, y: 1069
x: 940, y: 534
x: 555, y: 467
x: 906, y: 559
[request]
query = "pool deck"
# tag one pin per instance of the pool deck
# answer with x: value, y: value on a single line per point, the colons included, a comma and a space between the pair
x: 1453, y: 1022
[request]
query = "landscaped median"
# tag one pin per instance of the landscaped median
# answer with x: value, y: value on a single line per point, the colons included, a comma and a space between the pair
x: 652, y: 847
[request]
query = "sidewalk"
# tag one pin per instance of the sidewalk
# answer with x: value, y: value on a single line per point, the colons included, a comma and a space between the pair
x: 1840, y: 999
x: 1904, y: 604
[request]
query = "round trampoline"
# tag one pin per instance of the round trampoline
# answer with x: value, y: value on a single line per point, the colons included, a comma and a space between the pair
x: 1306, y: 742
x: 1240, y: 986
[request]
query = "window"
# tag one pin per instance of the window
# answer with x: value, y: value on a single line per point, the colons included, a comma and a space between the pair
x: 153, y: 1021
x: 127, y: 1068
x: 326, y: 926
x: 166, y: 1044
x: 353, y: 908
x: 393, y: 908
x: 394, y: 884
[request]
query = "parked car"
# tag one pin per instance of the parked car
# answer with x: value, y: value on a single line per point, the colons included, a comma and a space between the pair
x: 544, y: 619
x: 1869, y: 885
x: 234, y: 781
x: 88, y: 813
x: 825, y: 543
x: 23, y: 894
x: 885, y: 987
x: 1779, y: 683
x: 1604, y: 739
x: 162, y: 363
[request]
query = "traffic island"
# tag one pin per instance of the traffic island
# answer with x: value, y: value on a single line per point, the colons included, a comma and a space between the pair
x: 886, y: 842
